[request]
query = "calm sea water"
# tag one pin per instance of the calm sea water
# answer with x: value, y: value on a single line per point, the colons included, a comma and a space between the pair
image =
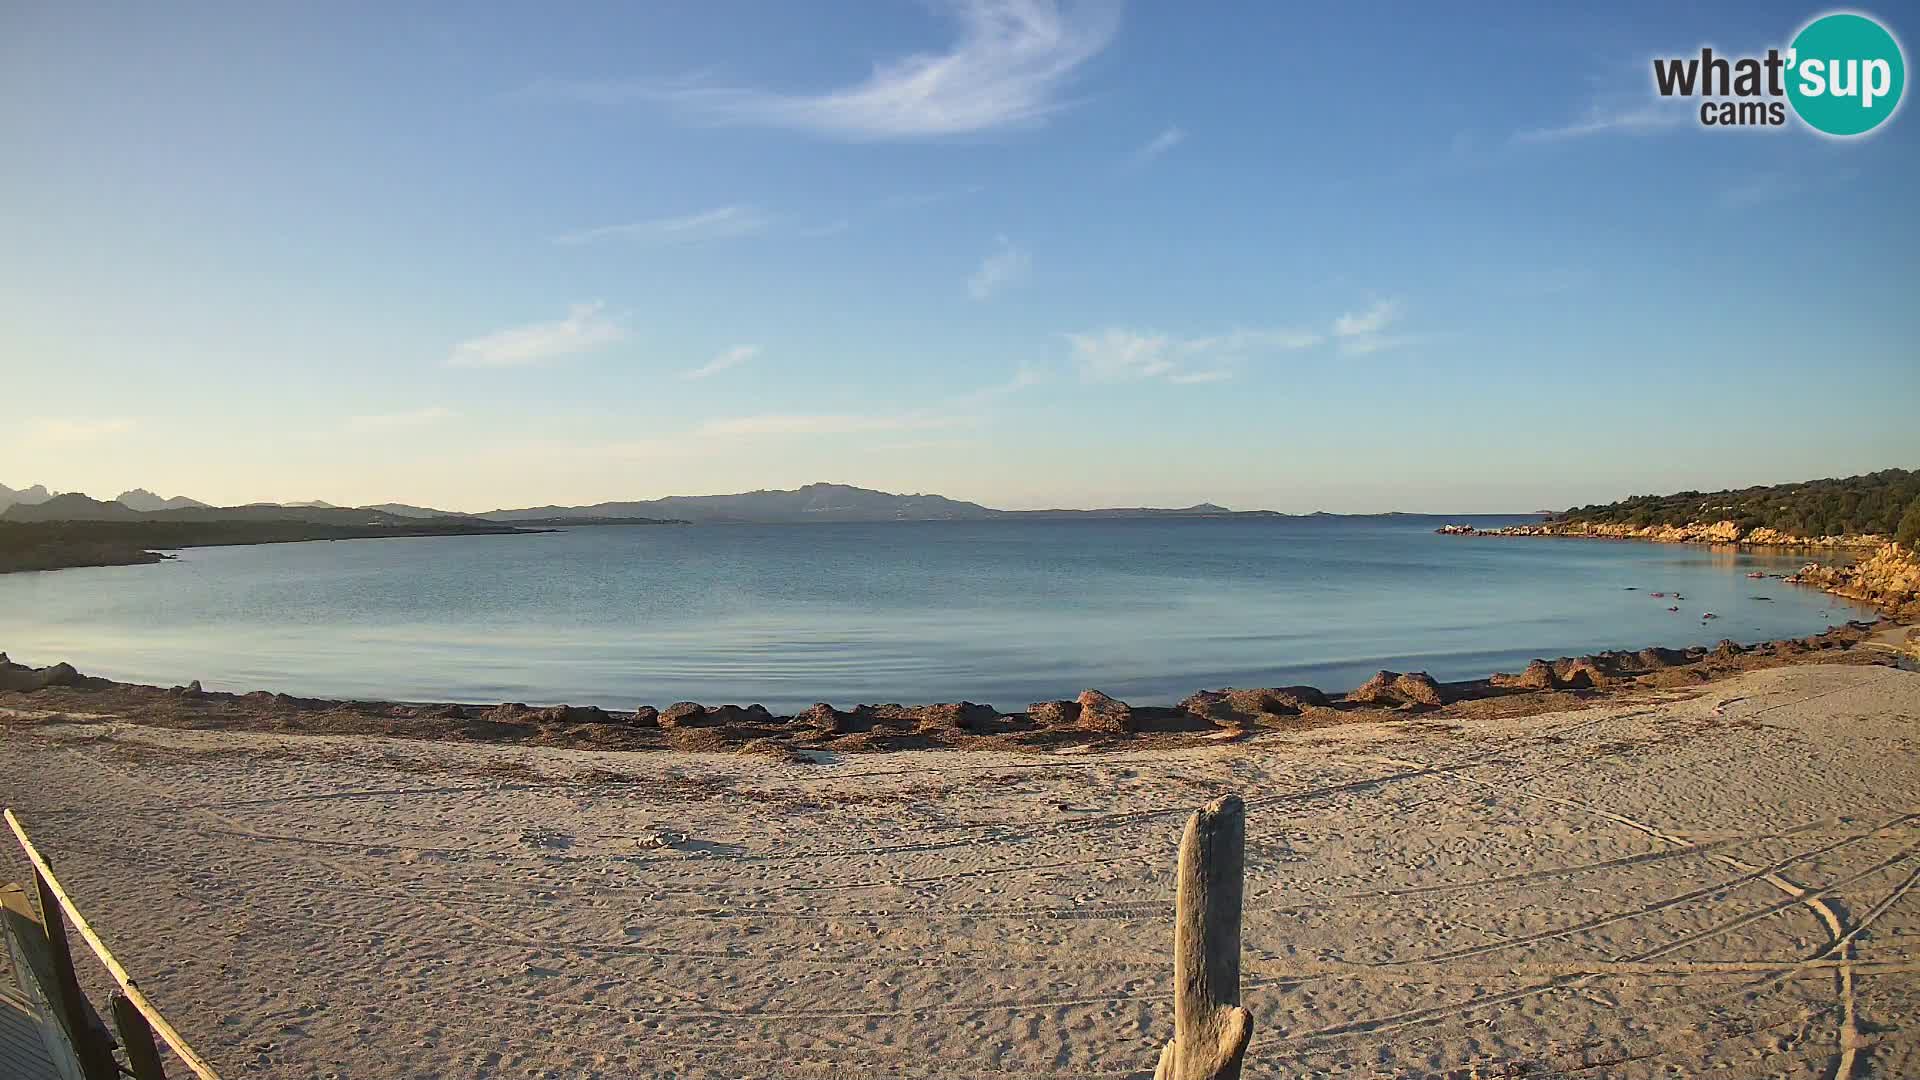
x: 998, y: 612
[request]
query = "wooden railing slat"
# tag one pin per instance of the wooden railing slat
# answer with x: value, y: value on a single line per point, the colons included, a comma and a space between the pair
x: 50, y: 886
x: 96, y: 1059
x: 136, y: 1038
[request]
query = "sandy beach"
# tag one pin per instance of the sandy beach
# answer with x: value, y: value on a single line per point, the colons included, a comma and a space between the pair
x: 1711, y: 880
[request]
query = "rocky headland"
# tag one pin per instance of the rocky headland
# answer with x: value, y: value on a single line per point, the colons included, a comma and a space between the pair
x: 1887, y: 577
x: 1693, y: 532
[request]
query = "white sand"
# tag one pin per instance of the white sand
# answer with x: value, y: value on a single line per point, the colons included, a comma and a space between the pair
x: 1652, y: 889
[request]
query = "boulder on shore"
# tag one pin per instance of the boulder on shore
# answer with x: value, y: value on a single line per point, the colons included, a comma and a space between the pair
x: 1537, y: 676
x: 1394, y: 688
x: 686, y: 714
x: 20, y: 677
x: 825, y: 719
x: 1098, y: 712
x: 1234, y: 705
x: 1054, y: 713
x: 955, y: 716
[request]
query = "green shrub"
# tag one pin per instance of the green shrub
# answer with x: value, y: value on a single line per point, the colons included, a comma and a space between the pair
x: 1909, y: 534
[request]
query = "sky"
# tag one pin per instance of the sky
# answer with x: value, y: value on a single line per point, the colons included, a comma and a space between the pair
x: 1359, y: 258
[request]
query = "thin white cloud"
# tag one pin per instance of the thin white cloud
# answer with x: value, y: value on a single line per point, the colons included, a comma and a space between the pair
x: 1117, y: 354
x: 77, y: 431
x: 585, y: 327
x: 731, y: 358
x: 1373, y: 343
x: 1758, y: 191
x: 1010, y: 67
x: 828, y: 423
x: 719, y: 223
x: 1363, y: 332
x: 1235, y: 342
x: 1370, y: 321
x: 1628, y: 119
x: 911, y: 445
x: 1007, y: 266
x: 410, y: 418
x: 1023, y: 378
x: 1156, y: 146
x: 913, y: 200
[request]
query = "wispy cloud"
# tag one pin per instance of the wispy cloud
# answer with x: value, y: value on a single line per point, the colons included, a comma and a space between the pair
x: 828, y: 423
x: 77, y: 431
x: 973, y: 399
x: 731, y: 358
x: 411, y: 418
x: 585, y: 327
x: 1370, y: 321
x: 1241, y: 341
x: 1117, y: 354
x: 1006, y: 266
x: 1363, y: 332
x: 1758, y: 191
x: 1156, y: 146
x: 719, y: 223
x: 1642, y: 118
x: 913, y: 200
x: 1009, y: 67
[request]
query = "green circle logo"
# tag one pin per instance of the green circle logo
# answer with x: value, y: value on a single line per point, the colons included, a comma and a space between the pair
x: 1845, y: 74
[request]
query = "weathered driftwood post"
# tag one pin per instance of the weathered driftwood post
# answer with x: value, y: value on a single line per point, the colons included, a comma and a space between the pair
x: 1210, y: 1029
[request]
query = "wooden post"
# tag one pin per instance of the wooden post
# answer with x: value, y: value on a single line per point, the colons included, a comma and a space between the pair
x: 1210, y: 1029
x: 96, y: 1058
x: 137, y: 1039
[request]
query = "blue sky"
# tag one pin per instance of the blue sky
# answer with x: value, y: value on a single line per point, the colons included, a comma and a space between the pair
x: 1370, y: 257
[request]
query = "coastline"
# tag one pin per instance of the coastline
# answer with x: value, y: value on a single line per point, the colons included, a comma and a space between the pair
x: 1092, y: 720
x: 1883, y: 574
x: 29, y: 546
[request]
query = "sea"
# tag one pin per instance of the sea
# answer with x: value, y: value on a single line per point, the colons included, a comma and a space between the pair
x: 998, y: 612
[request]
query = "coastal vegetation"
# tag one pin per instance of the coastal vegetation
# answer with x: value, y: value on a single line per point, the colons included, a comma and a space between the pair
x: 1884, y: 503
x: 54, y: 545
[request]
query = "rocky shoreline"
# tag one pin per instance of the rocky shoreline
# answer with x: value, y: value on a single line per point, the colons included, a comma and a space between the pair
x: 1093, y: 718
x: 1693, y: 532
x: 1887, y: 577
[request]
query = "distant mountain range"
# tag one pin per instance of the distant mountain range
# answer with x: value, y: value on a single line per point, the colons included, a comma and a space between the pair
x: 73, y: 506
x: 831, y: 502
x: 144, y: 500
x: 32, y: 496
x: 812, y: 503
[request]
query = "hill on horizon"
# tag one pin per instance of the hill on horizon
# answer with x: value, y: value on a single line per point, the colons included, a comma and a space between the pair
x: 146, y: 501
x: 1872, y: 502
x: 31, y: 496
x: 833, y: 502
x: 809, y: 503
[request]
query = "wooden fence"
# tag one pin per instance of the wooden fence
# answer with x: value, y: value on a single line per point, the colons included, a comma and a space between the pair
x: 1210, y: 1036
x: 79, y: 1045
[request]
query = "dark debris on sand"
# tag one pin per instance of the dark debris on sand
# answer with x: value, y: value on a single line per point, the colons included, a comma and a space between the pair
x: 1092, y: 718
